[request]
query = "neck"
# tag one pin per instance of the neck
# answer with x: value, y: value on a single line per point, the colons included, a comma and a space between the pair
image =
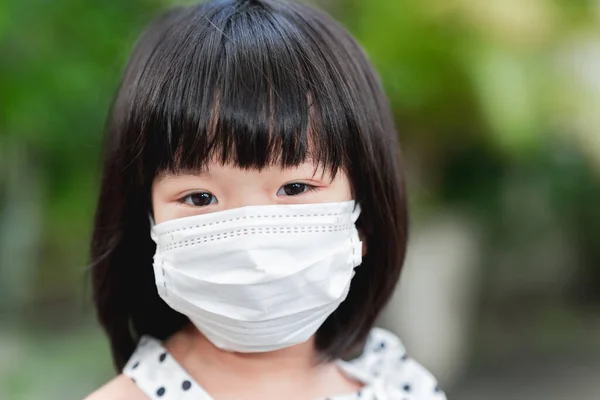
x: 193, y: 345
x: 293, y: 368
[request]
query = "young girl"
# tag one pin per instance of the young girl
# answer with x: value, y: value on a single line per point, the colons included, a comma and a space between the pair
x: 252, y: 218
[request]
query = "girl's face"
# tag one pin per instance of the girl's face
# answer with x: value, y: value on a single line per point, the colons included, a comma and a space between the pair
x: 223, y: 187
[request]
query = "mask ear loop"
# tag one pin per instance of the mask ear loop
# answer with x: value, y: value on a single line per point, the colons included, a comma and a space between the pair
x: 357, y: 244
x: 152, y: 224
x: 356, y: 212
x: 160, y: 275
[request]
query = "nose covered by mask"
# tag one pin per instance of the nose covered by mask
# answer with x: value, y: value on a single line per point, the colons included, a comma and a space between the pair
x: 258, y: 278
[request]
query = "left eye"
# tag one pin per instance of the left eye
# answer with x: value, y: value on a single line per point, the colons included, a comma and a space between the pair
x: 199, y: 199
x: 294, y: 189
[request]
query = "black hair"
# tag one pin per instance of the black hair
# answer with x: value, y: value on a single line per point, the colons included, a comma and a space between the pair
x: 252, y: 84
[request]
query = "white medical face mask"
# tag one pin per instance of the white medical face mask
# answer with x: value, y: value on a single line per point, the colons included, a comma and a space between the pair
x: 259, y: 278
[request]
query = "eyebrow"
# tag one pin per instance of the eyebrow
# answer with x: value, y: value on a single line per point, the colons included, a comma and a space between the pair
x: 319, y: 172
x: 166, y: 174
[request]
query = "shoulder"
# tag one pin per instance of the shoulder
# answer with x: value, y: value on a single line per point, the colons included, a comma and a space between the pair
x: 120, y: 388
x: 385, y: 360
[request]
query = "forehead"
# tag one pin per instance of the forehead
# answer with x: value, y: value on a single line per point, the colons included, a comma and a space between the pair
x: 308, y: 169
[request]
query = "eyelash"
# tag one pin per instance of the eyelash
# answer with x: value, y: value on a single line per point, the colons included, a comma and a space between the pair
x: 184, y: 199
x: 309, y: 188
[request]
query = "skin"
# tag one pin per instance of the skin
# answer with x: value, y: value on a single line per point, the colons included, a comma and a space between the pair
x: 290, y: 373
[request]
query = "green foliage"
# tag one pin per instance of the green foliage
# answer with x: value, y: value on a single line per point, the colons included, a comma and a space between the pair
x: 494, y: 111
x: 480, y: 90
x: 60, y: 65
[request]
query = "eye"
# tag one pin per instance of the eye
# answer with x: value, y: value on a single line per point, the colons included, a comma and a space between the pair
x: 294, y: 189
x: 199, y: 199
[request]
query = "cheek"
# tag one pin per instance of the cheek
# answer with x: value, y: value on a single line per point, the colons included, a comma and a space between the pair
x: 161, y: 210
x: 157, y: 211
x: 342, y: 187
x: 336, y: 192
x: 157, y: 215
x: 348, y: 192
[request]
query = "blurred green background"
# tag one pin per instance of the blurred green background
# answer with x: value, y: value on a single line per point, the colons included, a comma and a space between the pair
x: 498, y: 111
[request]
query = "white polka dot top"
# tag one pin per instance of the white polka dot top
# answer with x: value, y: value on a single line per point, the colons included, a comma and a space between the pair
x: 384, y: 368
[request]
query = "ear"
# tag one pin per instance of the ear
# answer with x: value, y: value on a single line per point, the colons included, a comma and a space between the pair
x: 363, y: 239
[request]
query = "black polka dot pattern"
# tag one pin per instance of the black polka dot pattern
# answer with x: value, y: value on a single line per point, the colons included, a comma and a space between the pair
x: 385, y: 368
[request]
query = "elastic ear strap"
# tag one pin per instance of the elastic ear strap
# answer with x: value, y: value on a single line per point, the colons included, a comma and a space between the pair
x: 152, y: 223
x: 356, y: 212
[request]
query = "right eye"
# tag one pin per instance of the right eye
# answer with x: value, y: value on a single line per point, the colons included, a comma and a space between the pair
x: 199, y: 199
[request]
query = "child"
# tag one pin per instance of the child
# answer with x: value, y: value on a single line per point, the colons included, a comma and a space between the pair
x: 251, y: 223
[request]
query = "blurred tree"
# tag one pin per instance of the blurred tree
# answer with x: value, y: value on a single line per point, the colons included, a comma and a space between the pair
x: 476, y: 87
x: 59, y: 66
x: 496, y: 103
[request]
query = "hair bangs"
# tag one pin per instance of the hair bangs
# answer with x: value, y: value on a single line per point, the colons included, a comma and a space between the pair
x: 238, y: 86
x: 253, y: 83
